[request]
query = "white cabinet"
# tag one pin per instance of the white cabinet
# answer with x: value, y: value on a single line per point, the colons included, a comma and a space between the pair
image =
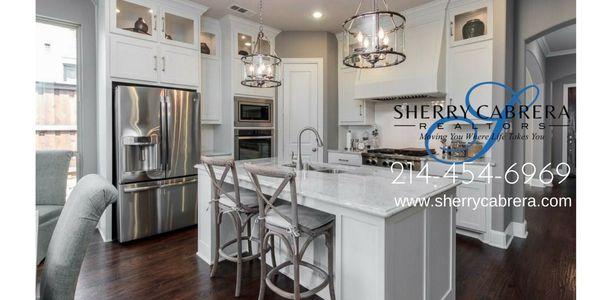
x: 350, y: 110
x: 155, y: 41
x: 469, y: 59
x: 470, y: 22
x: 179, y: 27
x: 179, y: 65
x: 344, y: 158
x: 149, y: 61
x: 133, y: 58
x: 211, y: 90
x: 126, y: 14
x: 471, y: 217
x: 468, y: 65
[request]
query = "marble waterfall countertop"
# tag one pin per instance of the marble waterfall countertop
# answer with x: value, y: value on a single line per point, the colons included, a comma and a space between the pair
x: 366, y: 189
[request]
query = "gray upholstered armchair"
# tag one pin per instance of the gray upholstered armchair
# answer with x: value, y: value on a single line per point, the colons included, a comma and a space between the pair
x: 70, y: 240
x: 51, y: 169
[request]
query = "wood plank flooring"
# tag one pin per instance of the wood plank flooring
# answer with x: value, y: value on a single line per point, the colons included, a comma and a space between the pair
x: 166, y: 267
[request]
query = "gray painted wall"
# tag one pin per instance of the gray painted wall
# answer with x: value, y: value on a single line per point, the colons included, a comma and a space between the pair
x: 560, y: 70
x: 83, y: 13
x: 532, y: 19
x: 307, y: 44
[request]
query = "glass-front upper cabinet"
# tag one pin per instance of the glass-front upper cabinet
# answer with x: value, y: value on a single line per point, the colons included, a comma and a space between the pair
x: 179, y: 28
x: 470, y: 23
x: 246, y: 43
x: 135, y: 18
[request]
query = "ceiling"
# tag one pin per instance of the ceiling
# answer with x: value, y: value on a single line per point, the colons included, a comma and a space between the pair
x: 559, y: 42
x: 296, y: 15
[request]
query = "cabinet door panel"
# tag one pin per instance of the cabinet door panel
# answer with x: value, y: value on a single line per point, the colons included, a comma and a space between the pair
x: 468, y: 65
x: 179, y: 66
x: 179, y: 28
x: 133, y: 58
x: 350, y: 110
x: 211, y: 90
x: 467, y: 217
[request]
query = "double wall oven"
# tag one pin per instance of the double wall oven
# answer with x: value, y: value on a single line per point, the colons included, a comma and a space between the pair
x: 254, y: 132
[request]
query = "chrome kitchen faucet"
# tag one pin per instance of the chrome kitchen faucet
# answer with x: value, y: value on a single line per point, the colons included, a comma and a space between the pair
x: 299, y: 165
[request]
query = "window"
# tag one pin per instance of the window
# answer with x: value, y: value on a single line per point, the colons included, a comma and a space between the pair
x: 56, y: 91
x: 69, y: 72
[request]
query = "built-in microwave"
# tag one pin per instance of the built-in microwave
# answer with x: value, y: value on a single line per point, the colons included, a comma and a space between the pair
x: 253, y: 112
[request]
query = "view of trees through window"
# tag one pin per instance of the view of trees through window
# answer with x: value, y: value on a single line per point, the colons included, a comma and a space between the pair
x: 56, y: 91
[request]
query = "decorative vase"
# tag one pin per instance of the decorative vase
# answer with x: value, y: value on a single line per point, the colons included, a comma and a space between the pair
x: 473, y: 28
x: 204, y: 48
x: 140, y: 26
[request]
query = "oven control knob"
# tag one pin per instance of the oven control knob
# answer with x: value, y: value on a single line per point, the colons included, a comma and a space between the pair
x: 372, y: 161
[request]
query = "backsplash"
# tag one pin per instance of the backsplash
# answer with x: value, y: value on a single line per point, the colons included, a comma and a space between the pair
x: 409, y: 135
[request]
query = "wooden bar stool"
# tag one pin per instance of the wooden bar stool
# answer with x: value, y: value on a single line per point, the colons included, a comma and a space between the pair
x: 290, y: 222
x: 240, y: 206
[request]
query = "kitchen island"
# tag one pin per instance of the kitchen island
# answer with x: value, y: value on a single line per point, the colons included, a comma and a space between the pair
x: 383, y: 250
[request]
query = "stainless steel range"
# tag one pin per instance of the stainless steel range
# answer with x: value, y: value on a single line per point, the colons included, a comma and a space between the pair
x: 385, y: 157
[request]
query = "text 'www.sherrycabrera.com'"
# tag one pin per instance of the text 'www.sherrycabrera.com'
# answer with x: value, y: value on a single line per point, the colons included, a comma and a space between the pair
x: 476, y: 202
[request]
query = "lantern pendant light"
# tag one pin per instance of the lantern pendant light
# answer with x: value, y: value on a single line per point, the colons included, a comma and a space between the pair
x: 260, y: 67
x: 374, y: 39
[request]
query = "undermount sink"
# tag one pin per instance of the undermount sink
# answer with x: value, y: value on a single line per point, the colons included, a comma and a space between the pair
x: 315, y: 168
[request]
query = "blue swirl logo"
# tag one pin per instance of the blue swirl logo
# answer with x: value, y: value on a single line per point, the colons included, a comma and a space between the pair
x: 499, y: 121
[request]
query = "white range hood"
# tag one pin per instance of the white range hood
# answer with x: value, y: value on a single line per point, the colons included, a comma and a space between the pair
x: 423, y: 74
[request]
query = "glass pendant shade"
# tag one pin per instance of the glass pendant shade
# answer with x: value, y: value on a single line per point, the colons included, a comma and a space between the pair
x: 261, y: 69
x: 374, y: 39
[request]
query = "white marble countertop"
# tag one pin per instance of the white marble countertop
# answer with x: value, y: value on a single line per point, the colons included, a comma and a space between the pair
x: 366, y: 189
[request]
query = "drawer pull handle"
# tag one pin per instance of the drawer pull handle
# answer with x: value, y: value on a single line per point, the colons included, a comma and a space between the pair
x: 341, y: 159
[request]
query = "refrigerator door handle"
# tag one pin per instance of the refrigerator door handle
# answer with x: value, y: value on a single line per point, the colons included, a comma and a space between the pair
x: 179, y: 183
x: 163, y: 132
x: 140, y: 189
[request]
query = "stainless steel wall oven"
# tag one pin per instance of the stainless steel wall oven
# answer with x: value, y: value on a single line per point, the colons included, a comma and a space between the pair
x: 253, y: 143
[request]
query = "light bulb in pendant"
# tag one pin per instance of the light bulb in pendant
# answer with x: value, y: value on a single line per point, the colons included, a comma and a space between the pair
x: 366, y: 43
x: 261, y: 69
x: 380, y: 34
x: 359, y: 37
x: 251, y: 70
x: 386, y: 40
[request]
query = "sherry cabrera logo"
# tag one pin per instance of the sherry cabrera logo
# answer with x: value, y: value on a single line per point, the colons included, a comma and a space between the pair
x: 500, y: 117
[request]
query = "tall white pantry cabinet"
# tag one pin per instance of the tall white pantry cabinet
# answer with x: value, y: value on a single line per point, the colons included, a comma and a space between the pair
x: 145, y: 42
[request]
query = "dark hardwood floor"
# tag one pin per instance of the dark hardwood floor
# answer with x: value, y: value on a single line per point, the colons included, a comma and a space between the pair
x: 542, y: 266
x: 166, y: 267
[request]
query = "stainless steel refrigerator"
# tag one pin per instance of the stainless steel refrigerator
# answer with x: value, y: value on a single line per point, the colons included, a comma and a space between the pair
x: 157, y: 144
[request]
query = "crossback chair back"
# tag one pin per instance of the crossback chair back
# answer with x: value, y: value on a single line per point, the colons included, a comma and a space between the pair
x: 266, y: 204
x: 218, y: 183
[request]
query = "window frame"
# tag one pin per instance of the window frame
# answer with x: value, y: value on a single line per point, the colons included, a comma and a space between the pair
x: 78, y: 87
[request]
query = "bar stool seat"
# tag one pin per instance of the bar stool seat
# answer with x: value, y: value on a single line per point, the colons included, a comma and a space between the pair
x: 248, y: 199
x: 308, y: 219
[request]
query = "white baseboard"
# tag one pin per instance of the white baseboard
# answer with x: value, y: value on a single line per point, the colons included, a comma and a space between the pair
x: 500, y: 239
x: 519, y: 229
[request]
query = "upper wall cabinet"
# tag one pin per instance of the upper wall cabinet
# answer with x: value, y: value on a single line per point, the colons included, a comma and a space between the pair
x: 135, y: 18
x: 157, y: 21
x: 210, y: 46
x: 470, y: 21
x: 179, y: 28
x: 155, y: 41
